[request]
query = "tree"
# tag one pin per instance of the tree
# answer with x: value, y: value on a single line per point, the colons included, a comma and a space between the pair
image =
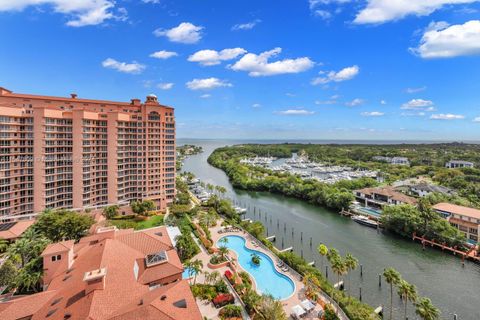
x: 392, y: 277
x: 408, y: 292
x: 252, y: 300
x: 330, y: 313
x: 110, y: 211
x: 426, y: 310
x: 351, y: 263
x: 3, y: 245
x: 323, y: 251
x: 223, y: 252
x: 196, y: 267
x: 271, y: 309
x: 28, y: 247
x: 62, y: 225
x: 8, y: 273
x: 212, y: 278
x: 256, y: 258
x: 186, y: 246
x: 142, y: 207
x: 338, y: 267
x: 311, y: 283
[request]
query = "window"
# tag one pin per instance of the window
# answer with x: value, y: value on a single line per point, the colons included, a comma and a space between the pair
x: 56, y: 258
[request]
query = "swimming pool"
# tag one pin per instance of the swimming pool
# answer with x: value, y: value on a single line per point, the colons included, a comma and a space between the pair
x: 267, y: 279
x: 369, y: 211
x: 186, y: 274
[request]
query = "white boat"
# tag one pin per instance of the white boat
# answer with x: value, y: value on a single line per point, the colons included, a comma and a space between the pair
x: 365, y: 221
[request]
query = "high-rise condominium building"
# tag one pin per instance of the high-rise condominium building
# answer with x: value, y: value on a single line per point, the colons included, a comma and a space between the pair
x: 80, y: 153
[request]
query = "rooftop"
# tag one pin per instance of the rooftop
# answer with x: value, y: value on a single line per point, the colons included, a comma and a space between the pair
x: 13, y: 230
x: 460, y: 210
x: 390, y: 193
x: 119, y: 258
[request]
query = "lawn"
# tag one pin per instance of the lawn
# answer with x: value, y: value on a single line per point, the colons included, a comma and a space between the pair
x: 132, y: 222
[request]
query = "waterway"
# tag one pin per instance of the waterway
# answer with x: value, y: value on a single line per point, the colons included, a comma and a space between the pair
x: 453, y: 288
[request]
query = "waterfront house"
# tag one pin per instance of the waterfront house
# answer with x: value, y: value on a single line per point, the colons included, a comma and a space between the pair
x: 465, y: 219
x: 424, y: 189
x: 112, y: 274
x: 452, y: 164
x: 379, y: 197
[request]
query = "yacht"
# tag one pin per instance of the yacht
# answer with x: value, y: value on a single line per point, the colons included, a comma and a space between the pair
x: 365, y: 221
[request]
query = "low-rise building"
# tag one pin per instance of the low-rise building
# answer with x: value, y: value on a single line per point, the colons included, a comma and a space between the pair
x: 424, y: 189
x: 452, y: 164
x: 393, y: 160
x: 379, y: 197
x: 465, y: 219
x: 112, y: 274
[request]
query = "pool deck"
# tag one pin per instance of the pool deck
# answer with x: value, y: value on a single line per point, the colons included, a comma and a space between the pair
x: 299, y: 293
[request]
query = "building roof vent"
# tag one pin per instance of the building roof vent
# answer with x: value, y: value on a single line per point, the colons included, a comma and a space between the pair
x: 73, y: 95
x: 163, y: 298
x: 181, y: 304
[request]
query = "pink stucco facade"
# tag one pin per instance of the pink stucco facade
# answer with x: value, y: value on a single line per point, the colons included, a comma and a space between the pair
x: 80, y: 153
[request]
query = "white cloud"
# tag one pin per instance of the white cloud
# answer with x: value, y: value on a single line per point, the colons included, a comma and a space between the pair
x: 415, y: 90
x: 151, y: 1
x: 413, y: 114
x: 133, y: 67
x: 477, y: 119
x: 165, y: 85
x: 259, y: 65
x: 80, y: 12
x: 372, y: 114
x: 323, y: 14
x: 256, y: 105
x: 163, y: 54
x: 207, y: 84
x: 185, y: 32
x: 246, y: 26
x: 447, y: 116
x: 381, y: 11
x: 213, y: 57
x: 383, y: 102
x: 205, y: 96
x: 443, y: 41
x: 418, y: 104
x: 342, y: 75
x: 295, y: 112
x: 315, y: 3
x: 354, y: 102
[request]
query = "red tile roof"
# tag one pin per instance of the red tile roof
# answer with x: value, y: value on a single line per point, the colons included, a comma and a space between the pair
x: 58, y: 247
x: 16, y: 230
x: 461, y: 210
x: 390, y: 193
x: 126, y: 282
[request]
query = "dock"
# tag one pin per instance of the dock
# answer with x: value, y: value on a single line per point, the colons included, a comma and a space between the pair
x: 271, y: 238
x: 346, y: 213
x: 286, y: 249
x: 470, y: 254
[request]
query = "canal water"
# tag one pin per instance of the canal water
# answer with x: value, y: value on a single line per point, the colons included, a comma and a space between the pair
x: 454, y: 289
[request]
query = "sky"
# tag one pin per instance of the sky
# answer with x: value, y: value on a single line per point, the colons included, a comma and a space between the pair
x: 277, y: 69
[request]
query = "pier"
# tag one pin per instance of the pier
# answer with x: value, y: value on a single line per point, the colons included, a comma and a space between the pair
x: 285, y: 250
x: 271, y: 238
x: 470, y: 254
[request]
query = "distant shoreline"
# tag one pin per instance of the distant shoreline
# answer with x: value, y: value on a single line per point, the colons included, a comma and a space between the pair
x: 332, y: 141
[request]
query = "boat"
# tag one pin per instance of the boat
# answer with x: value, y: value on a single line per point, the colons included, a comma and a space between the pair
x: 365, y: 221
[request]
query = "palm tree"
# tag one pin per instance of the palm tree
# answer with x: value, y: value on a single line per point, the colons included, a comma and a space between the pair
x: 323, y: 251
x: 223, y: 251
x: 213, y: 277
x: 338, y: 267
x: 426, y: 310
x: 408, y: 292
x: 311, y: 283
x: 351, y: 263
x: 196, y: 268
x: 255, y: 258
x: 393, y: 278
x: 271, y: 309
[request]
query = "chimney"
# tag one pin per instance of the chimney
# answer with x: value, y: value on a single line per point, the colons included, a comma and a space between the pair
x: 95, y: 280
x: 73, y: 95
x: 135, y: 102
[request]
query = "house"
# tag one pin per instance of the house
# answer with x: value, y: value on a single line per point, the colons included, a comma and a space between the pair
x: 393, y: 160
x: 400, y: 161
x: 379, y: 197
x: 452, y: 164
x: 112, y: 274
x: 424, y: 189
x: 465, y: 219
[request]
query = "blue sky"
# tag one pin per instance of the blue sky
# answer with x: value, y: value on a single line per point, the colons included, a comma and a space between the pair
x: 298, y: 69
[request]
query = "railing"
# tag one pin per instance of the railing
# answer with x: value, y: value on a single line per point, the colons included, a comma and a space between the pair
x: 342, y: 315
x: 245, y: 315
